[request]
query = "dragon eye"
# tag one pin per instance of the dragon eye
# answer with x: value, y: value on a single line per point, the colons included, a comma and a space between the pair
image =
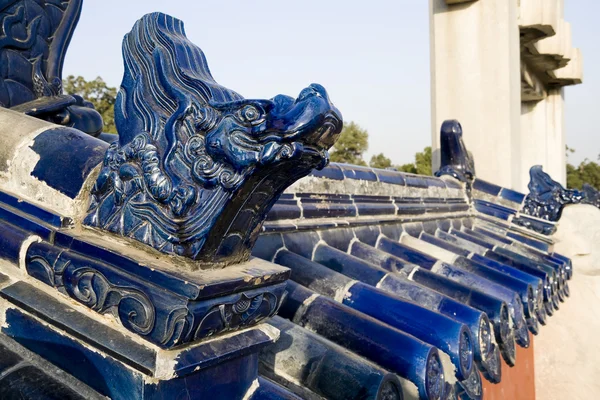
x: 250, y: 113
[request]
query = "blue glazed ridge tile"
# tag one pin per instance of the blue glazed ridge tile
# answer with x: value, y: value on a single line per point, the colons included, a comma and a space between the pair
x: 26, y: 222
x: 390, y: 177
x: 63, y: 153
x: 407, y: 208
x: 11, y: 240
x: 375, y: 208
x: 40, y: 213
x: 495, y: 210
x: 358, y: 172
x: 512, y: 195
x: 326, y: 210
x: 154, y: 301
x: 435, y: 182
x: 486, y: 187
x: 322, y: 196
x: 332, y: 171
x: 406, y: 199
x: 416, y: 181
x: 371, y: 199
x: 284, y: 211
x: 277, y: 226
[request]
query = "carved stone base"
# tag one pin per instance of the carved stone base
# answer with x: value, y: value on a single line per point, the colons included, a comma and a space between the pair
x: 102, y: 355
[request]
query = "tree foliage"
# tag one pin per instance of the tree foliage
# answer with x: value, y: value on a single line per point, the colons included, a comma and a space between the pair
x: 421, y: 165
x: 380, y: 161
x: 98, y: 93
x: 587, y: 172
x: 351, y: 145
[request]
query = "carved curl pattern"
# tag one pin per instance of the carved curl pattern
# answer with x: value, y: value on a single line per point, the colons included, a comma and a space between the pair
x: 154, y: 313
x: 91, y: 288
x: 242, y: 312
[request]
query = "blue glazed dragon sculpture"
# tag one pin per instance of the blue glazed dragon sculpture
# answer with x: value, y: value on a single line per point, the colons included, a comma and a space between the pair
x: 34, y: 37
x: 197, y: 166
x: 456, y: 161
x: 547, y: 198
x: 591, y: 195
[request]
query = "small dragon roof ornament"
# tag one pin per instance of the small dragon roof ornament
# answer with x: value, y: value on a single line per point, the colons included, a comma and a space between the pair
x: 547, y: 198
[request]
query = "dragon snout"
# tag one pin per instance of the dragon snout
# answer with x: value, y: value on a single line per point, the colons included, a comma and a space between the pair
x: 328, y: 133
x: 325, y: 134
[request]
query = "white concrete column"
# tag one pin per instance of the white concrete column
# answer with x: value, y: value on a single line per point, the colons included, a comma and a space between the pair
x: 533, y: 141
x: 475, y: 78
x: 555, y: 131
x: 542, y: 138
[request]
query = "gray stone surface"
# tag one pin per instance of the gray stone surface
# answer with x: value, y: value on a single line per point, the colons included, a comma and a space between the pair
x: 567, y: 353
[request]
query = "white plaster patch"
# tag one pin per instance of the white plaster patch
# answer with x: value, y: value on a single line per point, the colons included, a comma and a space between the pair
x: 312, y: 184
x: 320, y: 242
x: 413, y: 272
x: 409, y: 389
x: 18, y: 134
x: 378, y: 285
x: 251, y: 390
x: 428, y: 248
x: 24, y: 247
x: 18, y: 179
x: 449, y: 368
x: 3, y: 307
x: 437, y: 266
x: 354, y: 240
x: 164, y: 368
x: 344, y: 293
x: 303, y: 307
x: 270, y: 331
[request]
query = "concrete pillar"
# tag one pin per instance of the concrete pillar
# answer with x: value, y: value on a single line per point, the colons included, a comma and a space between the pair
x: 542, y: 138
x: 555, y: 133
x: 533, y: 143
x: 475, y: 78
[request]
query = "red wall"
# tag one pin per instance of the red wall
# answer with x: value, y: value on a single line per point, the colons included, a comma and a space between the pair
x: 518, y: 382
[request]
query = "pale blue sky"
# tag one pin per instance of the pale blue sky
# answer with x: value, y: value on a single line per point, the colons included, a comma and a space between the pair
x: 372, y: 56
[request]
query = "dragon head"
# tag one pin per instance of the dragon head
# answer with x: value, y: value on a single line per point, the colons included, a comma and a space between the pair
x: 252, y: 132
x: 197, y: 166
x: 547, y: 198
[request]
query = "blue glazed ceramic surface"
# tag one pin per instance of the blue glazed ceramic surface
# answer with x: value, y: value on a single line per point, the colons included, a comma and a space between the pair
x: 197, y: 166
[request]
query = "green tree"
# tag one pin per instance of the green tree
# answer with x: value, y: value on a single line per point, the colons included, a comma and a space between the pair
x: 587, y: 172
x: 380, y: 161
x: 351, y: 145
x: 98, y: 93
x: 421, y: 165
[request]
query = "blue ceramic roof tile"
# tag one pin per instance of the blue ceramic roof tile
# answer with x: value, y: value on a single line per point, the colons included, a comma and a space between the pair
x: 486, y: 187
x: 332, y: 171
x: 512, y: 195
x: 35, y: 211
x: 391, y: 177
x: 416, y: 181
x: 356, y: 172
x: 352, y: 276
